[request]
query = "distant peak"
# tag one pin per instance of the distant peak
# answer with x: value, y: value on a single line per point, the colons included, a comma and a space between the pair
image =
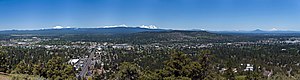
x: 274, y: 29
x: 149, y: 26
x: 123, y: 25
x: 112, y: 26
x: 198, y: 29
x: 60, y: 27
x: 257, y: 30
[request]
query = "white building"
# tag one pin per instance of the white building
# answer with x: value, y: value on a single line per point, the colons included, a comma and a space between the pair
x: 249, y: 67
x: 73, y: 61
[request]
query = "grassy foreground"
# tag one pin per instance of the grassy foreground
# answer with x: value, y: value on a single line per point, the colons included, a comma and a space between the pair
x: 19, y: 77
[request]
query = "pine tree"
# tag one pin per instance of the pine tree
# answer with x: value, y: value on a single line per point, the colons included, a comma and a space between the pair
x: 21, y: 68
x: 127, y: 71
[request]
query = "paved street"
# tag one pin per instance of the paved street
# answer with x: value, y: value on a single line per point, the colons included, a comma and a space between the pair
x: 87, y: 64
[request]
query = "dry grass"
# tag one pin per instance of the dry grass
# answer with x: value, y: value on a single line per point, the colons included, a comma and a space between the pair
x: 4, y: 77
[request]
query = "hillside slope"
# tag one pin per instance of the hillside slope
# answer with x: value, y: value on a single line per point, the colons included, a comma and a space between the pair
x: 122, y: 35
x: 169, y: 36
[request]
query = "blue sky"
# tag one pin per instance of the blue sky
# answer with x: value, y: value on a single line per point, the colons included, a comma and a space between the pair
x: 166, y: 14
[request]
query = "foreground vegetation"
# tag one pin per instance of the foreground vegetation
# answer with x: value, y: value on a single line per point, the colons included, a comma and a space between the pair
x: 165, y: 63
x: 162, y: 56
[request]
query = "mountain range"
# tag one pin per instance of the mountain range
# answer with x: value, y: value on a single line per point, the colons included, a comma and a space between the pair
x: 125, y: 30
x: 259, y: 31
x: 142, y: 35
x: 63, y: 31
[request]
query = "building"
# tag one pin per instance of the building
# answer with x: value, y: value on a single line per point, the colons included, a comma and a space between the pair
x: 249, y: 67
x: 73, y: 61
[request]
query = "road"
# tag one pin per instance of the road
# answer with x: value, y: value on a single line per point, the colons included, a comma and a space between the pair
x: 86, y: 64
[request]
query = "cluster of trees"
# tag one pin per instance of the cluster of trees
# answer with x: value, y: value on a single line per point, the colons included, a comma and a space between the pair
x: 54, y: 69
x: 277, y: 57
x: 4, y: 65
x: 167, y: 37
x: 153, y: 63
x: 145, y: 63
x: 179, y: 67
x: 11, y: 56
x: 40, y: 62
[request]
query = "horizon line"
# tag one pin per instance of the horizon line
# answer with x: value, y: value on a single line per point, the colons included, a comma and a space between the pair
x: 149, y: 28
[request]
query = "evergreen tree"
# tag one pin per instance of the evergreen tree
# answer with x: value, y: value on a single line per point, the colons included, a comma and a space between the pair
x: 4, y: 65
x: 21, y: 68
x: 127, y: 71
x: 178, y: 65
